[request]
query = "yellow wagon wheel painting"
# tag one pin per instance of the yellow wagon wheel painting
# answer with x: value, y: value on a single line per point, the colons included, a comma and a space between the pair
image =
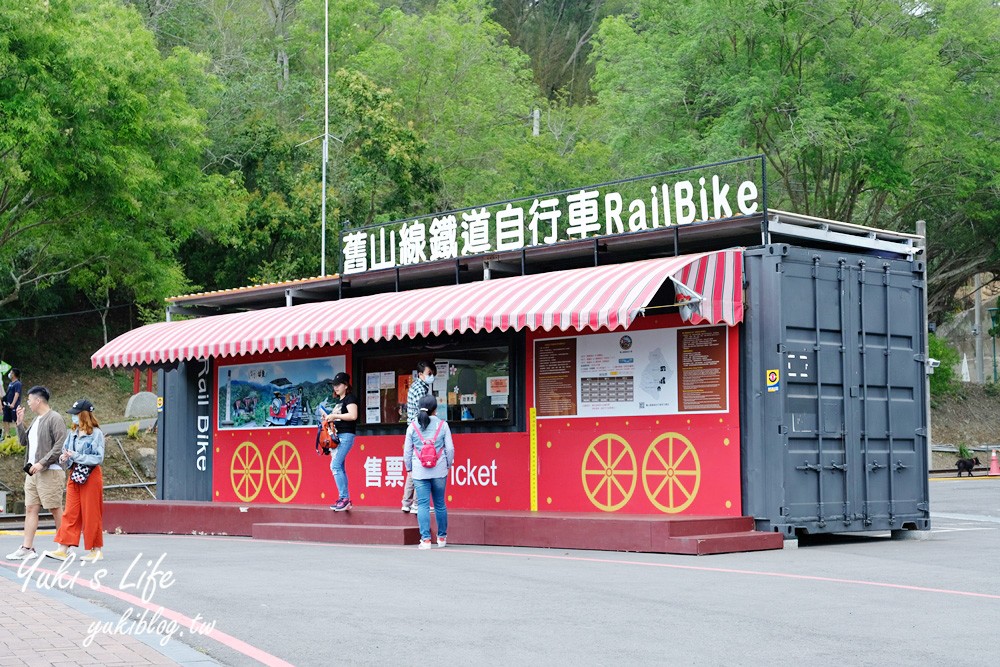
x: 246, y: 471
x: 609, y: 472
x: 284, y: 471
x: 671, y: 472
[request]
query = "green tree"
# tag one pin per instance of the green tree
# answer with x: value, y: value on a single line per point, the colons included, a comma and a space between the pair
x: 100, y: 148
x: 867, y: 112
x: 943, y: 379
x: 556, y: 35
x: 467, y: 91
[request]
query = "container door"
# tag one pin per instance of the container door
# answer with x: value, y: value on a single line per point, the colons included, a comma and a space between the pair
x: 833, y: 392
x: 889, y: 382
x: 817, y: 368
x: 852, y: 364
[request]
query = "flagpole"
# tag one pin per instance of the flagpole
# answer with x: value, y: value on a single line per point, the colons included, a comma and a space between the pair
x: 326, y: 128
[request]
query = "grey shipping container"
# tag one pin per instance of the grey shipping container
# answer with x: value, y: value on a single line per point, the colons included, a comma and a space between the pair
x: 834, y: 432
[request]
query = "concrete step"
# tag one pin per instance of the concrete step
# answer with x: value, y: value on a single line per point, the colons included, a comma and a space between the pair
x: 707, y: 525
x: 723, y: 543
x: 338, y: 534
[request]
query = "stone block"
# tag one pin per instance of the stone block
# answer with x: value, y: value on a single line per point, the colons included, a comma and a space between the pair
x: 146, y: 461
x: 141, y: 405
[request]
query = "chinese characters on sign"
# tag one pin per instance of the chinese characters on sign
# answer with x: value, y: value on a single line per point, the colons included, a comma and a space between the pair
x: 392, y: 475
x: 584, y: 214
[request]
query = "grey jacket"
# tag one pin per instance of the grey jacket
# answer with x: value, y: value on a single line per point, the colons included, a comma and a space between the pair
x: 51, y: 435
x: 443, y: 443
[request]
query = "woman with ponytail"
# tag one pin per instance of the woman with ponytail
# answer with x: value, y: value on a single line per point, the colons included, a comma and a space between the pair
x: 429, y: 470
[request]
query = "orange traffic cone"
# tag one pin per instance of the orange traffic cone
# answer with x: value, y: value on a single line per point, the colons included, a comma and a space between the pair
x: 994, y: 465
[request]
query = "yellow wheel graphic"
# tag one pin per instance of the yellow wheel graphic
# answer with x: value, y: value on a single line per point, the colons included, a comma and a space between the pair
x: 671, y: 473
x: 246, y: 471
x: 609, y: 472
x: 284, y: 471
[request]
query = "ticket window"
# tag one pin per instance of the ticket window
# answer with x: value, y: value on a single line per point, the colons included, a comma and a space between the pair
x: 473, y: 385
x: 476, y: 385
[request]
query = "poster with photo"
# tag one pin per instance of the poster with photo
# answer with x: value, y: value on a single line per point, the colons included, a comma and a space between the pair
x: 279, y: 393
x: 649, y: 372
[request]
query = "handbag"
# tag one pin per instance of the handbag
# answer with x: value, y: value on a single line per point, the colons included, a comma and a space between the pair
x: 327, y: 438
x: 80, y: 473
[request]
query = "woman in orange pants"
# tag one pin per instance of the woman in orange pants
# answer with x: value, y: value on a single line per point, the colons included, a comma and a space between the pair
x: 84, y: 447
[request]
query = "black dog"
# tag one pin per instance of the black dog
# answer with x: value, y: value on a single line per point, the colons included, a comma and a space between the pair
x: 966, y: 465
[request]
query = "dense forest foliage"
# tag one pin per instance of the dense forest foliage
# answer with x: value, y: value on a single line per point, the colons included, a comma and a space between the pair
x: 155, y: 147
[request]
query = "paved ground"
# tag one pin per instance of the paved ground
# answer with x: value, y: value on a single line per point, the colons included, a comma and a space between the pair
x: 838, y: 600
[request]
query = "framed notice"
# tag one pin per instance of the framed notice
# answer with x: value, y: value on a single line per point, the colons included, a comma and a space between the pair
x: 649, y: 372
x: 555, y: 377
x: 701, y: 358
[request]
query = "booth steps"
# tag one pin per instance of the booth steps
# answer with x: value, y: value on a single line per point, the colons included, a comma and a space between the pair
x: 339, y: 534
x: 381, y: 525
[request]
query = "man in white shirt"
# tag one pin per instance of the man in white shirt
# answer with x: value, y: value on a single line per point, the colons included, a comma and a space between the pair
x: 45, y: 479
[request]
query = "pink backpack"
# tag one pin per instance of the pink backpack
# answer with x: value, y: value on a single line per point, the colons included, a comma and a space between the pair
x: 428, y: 453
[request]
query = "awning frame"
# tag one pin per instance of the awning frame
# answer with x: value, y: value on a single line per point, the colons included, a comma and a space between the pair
x: 607, y: 296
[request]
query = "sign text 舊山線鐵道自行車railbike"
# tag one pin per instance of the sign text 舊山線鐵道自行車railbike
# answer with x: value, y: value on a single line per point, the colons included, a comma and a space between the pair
x: 676, y: 198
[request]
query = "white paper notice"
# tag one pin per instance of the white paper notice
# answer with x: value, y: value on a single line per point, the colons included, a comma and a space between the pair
x: 388, y: 380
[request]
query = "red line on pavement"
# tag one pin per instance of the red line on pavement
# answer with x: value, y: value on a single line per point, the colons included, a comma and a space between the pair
x: 225, y: 639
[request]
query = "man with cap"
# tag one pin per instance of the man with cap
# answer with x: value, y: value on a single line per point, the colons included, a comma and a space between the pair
x: 45, y: 479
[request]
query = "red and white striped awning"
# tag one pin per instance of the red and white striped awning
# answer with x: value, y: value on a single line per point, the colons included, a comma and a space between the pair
x: 603, y: 296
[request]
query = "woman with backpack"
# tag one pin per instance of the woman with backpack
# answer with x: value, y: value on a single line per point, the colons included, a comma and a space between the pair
x: 428, y: 454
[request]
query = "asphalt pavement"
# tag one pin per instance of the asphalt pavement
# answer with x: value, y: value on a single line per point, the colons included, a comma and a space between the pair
x: 834, y: 600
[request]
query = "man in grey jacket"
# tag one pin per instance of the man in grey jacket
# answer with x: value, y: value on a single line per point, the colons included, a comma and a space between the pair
x: 45, y: 479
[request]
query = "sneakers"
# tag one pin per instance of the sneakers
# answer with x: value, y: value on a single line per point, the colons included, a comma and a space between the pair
x: 406, y: 508
x: 424, y: 544
x: 442, y: 541
x: 342, y: 505
x: 22, y: 553
x: 412, y: 509
x: 95, y: 555
x: 58, y: 554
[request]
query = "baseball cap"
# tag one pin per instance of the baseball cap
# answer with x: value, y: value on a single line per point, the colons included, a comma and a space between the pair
x: 83, y: 405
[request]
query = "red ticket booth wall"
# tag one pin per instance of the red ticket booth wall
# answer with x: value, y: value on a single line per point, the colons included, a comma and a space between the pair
x: 639, y: 421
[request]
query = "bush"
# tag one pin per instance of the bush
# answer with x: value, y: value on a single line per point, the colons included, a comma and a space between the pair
x: 11, y: 447
x: 963, y: 451
x: 943, y: 378
x: 133, y: 431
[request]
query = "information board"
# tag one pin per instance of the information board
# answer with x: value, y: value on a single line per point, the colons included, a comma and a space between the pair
x: 649, y: 372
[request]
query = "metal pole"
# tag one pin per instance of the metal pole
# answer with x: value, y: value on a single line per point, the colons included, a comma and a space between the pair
x: 326, y: 129
x: 977, y: 329
x: 993, y: 328
x: 922, y: 233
